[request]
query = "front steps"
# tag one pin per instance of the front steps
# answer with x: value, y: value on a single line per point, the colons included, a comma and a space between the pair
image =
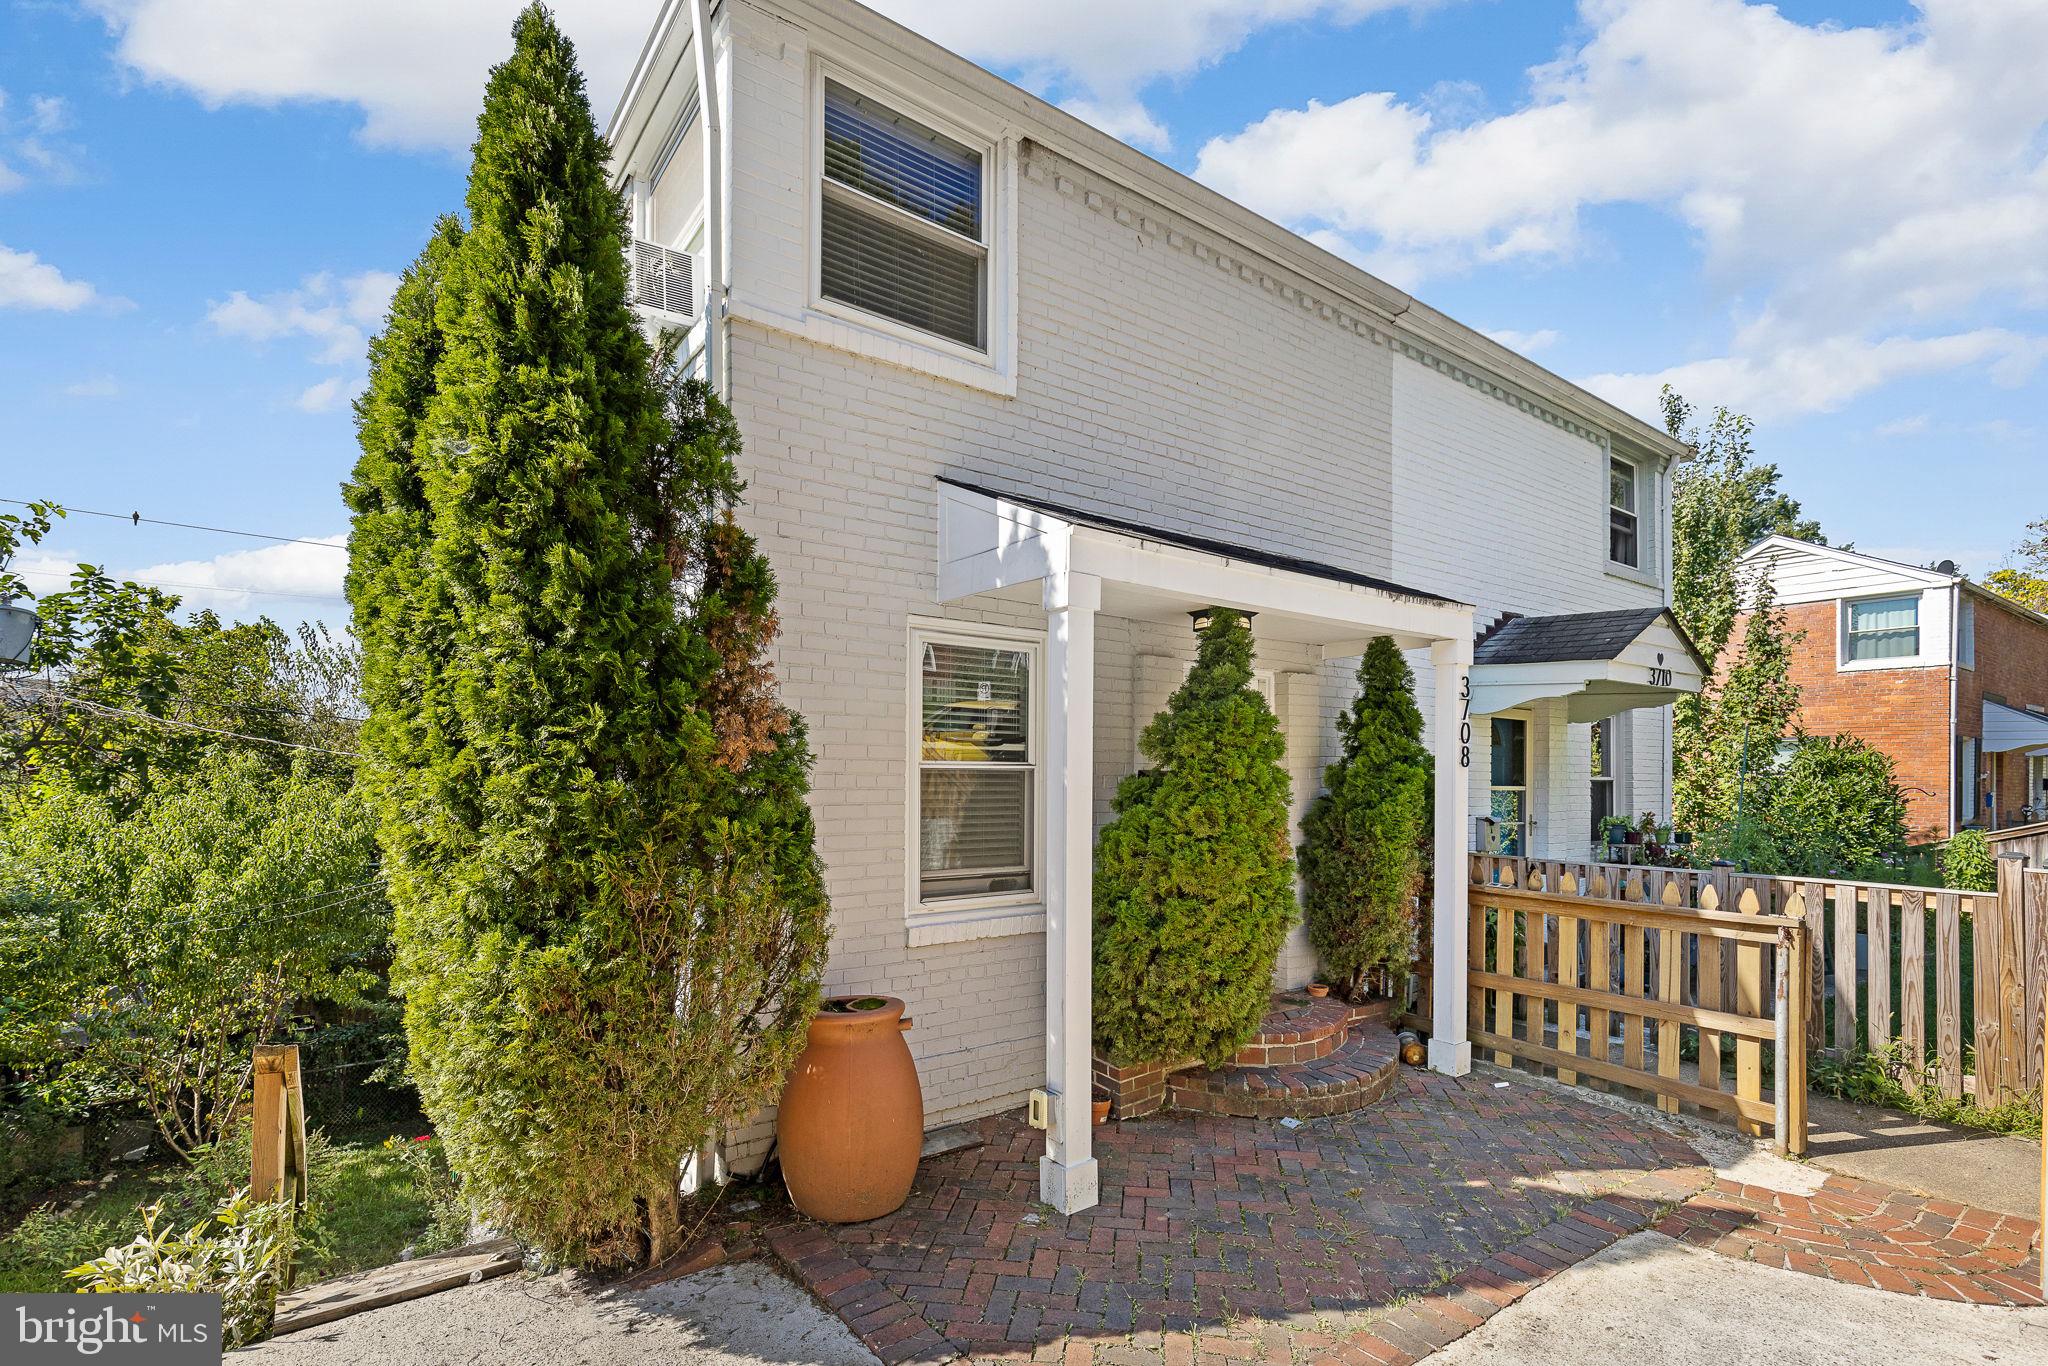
x: 1311, y: 1058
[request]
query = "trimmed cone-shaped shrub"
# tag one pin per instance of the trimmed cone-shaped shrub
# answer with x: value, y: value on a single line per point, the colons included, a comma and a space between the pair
x: 1359, y: 852
x: 610, y: 919
x: 1194, y: 885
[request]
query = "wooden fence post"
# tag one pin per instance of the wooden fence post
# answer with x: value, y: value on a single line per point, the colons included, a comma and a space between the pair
x: 277, y: 1131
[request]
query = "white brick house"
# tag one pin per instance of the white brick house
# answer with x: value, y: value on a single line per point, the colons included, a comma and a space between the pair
x: 1016, y: 399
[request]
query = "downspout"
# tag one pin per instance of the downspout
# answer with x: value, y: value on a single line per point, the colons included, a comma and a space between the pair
x: 714, y: 195
x: 1955, y: 674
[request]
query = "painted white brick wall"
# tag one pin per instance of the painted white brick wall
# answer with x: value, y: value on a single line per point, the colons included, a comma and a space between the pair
x: 1153, y: 384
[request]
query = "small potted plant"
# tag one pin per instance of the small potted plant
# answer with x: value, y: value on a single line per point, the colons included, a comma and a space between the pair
x: 1099, y: 1103
x: 1319, y: 989
x: 1614, y: 832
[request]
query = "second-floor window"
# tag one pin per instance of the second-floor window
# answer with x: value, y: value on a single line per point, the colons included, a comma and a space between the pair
x: 1623, y: 528
x: 902, y: 233
x: 1882, y: 628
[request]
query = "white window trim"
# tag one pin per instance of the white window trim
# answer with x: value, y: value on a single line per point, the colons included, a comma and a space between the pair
x: 1966, y: 632
x: 958, y: 919
x: 1527, y: 716
x: 1649, y: 516
x: 1918, y: 659
x: 831, y: 323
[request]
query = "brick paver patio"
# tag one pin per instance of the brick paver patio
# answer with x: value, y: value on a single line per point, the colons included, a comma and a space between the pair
x: 1374, y: 1236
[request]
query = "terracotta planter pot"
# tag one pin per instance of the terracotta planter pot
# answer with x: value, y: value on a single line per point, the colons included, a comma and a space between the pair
x: 1101, y: 1109
x: 1318, y: 989
x: 851, y: 1122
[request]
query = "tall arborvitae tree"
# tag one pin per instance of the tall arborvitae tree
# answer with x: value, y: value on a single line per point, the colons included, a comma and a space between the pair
x: 610, y: 920
x: 1743, y: 717
x: 1194, y: 886
x: 1359, y: 858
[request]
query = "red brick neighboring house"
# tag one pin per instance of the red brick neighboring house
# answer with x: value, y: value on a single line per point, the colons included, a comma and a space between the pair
x: 1942, y: 674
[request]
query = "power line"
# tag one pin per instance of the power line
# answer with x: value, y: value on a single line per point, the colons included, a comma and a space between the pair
x: 106, y: 710
x: 136, y: 519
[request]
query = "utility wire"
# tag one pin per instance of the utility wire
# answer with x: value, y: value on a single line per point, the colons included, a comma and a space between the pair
x: 136, y: 519
x: 210, y: 730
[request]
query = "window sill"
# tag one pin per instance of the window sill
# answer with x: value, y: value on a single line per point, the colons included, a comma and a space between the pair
x: 929, y: 926
x: 1857, y: 666
x: 843, y: 334
x: 1617, y: 570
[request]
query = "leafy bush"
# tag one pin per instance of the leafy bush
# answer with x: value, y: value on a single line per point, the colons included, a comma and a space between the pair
x: 1194, y: 885
x: 1967, y: 862
x: 241, y: 1251
x: 1882, y: 1077
x: 425, y: 1160
x: 1835, y: 807
x: 1359, y: 855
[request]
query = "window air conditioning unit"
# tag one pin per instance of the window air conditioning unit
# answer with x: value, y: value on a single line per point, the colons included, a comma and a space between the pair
x: 664, y: 281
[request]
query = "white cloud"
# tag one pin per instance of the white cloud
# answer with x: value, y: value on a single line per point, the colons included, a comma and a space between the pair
x: 95, y: 386
x: 1865, y: 188
x: 254, y: 580
x: 28, y: 138
x: 28, y: 281
x: 1528, y: 343
x: 1124, y: 119
x: 416, y: 70
x: 1786, y: 379
x: 335, y: 313
x: 1915, y: 425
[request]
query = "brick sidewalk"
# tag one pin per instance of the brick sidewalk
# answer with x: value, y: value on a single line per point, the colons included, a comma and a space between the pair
x: 1375, y: 1236
x: 1861, y: 1233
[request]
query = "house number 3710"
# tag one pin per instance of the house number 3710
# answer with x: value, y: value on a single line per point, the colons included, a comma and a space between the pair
x: 1465, y: 722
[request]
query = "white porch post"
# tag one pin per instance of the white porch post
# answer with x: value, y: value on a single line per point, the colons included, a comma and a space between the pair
x: 1066, y: 1174
x: 1450, y: 1051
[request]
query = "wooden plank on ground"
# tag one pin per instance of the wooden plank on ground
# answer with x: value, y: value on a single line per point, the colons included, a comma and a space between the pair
x: 1913, y: 983
x: 1948, y: 994
x: 324, y: 1302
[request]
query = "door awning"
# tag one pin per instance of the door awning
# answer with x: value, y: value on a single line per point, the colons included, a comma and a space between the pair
x: 1601, y: 663
x: 2009, y: 728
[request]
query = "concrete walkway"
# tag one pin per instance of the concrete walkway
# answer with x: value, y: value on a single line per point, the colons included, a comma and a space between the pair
x: 1650, y: 1298
x: 1968, y: 1166
x: 741, y: 1315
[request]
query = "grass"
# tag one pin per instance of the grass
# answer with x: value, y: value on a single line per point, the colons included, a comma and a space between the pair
x: 1880, y: 1077
x: 367, y: 1206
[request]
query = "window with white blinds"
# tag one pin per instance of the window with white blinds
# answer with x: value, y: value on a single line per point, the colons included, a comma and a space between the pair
x: 1884, y: 628
x: 977, y: 768
x: 901, y: 222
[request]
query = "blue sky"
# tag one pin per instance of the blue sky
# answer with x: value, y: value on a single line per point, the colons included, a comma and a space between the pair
x: 1833, y: 215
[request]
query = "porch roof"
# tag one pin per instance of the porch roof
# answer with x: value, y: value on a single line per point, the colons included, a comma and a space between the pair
x: 1004, y: 544
x: 1601, y: 663
x: 2009, y: 728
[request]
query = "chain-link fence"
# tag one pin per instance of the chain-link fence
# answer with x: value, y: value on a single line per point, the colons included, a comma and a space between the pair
x: 361, y: 1098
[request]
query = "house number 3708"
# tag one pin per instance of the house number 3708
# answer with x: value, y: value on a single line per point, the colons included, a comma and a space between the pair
x: 1465, y: 722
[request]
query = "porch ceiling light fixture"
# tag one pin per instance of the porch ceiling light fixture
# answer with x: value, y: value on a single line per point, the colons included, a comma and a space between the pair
x: 1202, y: 616
x: 17, y: 633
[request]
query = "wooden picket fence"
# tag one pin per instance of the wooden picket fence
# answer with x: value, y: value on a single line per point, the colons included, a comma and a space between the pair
x: 1953, y: 980
x: 2030, y: 842
x: 1609, y: 980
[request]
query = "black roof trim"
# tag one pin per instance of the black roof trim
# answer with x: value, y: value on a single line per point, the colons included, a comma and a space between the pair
x: 1203, y: 544
x: 1578, y: 635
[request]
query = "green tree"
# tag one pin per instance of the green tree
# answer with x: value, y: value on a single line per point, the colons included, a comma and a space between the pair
x: 2026, y: 582
x: 1742, y: 717
x: 1359, y: 855
x: 172, y: 932
x: 1194, y: 886
x: 610, y: 914
x: 1835, y: 807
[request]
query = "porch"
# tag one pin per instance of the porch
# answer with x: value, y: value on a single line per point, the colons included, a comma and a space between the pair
x: 1003, y: 550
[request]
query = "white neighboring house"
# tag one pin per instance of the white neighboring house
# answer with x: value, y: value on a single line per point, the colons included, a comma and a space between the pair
x: 1017, y: 400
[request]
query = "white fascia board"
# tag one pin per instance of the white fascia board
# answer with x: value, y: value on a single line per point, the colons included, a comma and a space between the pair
x: 986, y: 544
x: 1211, y: 580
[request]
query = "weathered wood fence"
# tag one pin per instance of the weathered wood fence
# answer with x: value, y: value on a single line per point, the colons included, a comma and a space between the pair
x: 2030, y: 842
x: 277, y: 1125
x: 1953, y: 980
x: 1618, y: 980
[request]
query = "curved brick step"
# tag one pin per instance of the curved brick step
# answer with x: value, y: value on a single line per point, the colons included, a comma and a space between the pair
x: 1299, y: 1028
x: 1358, y: 1073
